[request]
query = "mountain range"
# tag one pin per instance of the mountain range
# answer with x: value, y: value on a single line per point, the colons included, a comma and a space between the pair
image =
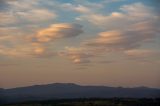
x: 70, y: 91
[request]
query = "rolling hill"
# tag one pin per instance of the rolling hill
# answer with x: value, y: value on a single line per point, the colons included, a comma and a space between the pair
x: 71, y: 91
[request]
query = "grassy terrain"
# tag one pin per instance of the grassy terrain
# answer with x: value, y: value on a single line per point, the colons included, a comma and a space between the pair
x: 92, y: 102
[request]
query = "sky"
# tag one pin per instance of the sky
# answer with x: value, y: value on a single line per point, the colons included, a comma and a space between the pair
x: 88, y: 42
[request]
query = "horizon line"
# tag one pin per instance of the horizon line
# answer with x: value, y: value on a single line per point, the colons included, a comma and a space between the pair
x: 99, y: 85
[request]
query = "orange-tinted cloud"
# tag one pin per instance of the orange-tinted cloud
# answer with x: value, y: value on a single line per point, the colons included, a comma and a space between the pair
x: 132, y: 37
x: 56, y: 31
x: 14, y: 44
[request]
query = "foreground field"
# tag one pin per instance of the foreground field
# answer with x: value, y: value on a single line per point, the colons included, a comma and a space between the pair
x: 92, y: 102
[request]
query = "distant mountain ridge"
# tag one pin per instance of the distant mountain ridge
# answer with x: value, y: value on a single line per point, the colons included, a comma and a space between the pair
x: 70, y: 90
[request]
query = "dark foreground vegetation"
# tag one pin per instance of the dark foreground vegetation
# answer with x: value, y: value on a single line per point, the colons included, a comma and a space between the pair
x: 92, y: 102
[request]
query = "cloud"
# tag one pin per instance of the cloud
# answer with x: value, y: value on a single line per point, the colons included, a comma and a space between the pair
x: 22, y: 11
x: 78, y: 8
x: 131, y: 28
x: 141, y: 53
x: 41, y: 51
x: 128, y: 41
x: 3, y: 5
x: 26, y: 50
x: 127, y: 15
x: 7, y: 18
x: 125, y: 31
x: 133, y: 37
x: 100, y: 19
x: 137, y: 10
x: 15, y: 44
x: 96, y: 4
x: 109, y: 38
x: 36, y: 15
x: 11, y: 36
x: 13, y: 51
x: 56, y: 31
x: 77, y: 55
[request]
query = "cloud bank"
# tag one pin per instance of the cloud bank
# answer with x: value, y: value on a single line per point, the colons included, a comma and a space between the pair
x: 32, y: 28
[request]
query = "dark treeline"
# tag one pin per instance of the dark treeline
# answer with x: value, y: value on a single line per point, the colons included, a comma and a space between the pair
x: 92, y: 102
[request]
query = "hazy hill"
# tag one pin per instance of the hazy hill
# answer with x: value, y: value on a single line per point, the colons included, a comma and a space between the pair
x: 69, y: 90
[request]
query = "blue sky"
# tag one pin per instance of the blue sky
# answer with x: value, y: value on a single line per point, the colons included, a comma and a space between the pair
x: 99, y: 42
